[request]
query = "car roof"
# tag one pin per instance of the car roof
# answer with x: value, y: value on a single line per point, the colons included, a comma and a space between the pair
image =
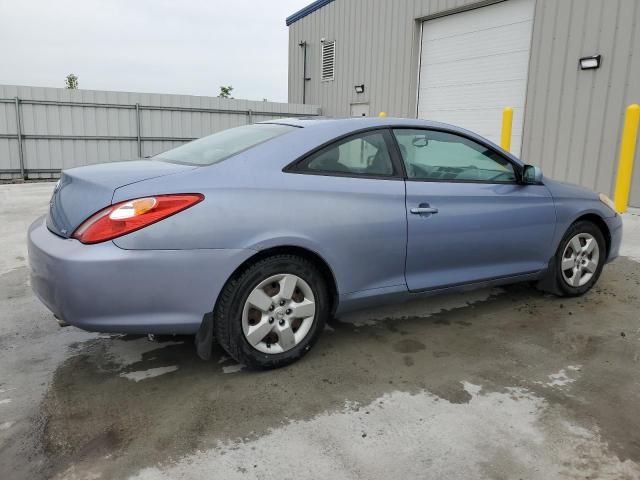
x: 340, y: 126
x: 357, y: 123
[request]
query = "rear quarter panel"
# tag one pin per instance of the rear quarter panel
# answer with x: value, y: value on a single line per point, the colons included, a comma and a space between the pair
x: 358, y: 226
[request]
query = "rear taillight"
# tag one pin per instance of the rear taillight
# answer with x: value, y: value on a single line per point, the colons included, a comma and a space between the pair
x: 126, y: 217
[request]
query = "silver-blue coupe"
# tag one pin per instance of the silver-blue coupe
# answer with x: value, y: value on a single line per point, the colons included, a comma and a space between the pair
x: 255, y: 235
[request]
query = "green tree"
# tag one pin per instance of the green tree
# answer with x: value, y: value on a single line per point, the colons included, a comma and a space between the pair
x: 71, y: 82
x: 225, y: 91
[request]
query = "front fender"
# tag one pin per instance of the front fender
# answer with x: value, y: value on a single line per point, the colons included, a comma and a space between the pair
x: 569, y: 211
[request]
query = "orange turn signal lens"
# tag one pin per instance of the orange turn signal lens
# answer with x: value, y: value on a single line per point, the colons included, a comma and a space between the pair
x: 133, y: 208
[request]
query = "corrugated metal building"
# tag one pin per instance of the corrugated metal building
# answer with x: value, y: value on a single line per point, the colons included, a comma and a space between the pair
x: 462, y: 61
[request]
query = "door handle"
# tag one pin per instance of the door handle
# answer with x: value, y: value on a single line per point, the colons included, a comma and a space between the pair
x: 422, y: 209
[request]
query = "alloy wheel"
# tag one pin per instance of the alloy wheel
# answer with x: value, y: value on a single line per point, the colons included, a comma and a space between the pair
x: 580, y: 260
x: 278, y: 313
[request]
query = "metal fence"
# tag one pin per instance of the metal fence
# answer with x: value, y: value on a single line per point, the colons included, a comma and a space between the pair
x: 44, y: 130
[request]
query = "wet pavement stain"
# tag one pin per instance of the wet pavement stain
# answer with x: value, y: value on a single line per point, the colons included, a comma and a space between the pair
x: 409, y: 345
x: 94, y: 418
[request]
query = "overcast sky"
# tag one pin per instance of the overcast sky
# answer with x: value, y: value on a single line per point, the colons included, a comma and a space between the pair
x: 158, y: 46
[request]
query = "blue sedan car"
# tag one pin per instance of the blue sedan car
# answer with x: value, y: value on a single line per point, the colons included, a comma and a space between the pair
x: 255, y: 235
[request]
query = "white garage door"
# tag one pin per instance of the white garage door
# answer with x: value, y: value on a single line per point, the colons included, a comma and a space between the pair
x: 475, y: 63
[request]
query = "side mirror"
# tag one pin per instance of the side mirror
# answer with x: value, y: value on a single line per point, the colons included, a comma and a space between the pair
x: 531, y: 175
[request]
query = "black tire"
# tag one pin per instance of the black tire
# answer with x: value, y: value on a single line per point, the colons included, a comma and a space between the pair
x: 227, y: 315
x: 554, y: 281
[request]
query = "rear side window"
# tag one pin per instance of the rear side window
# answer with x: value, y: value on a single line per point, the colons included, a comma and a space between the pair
x: 222, y: 145
x: 365, y: 154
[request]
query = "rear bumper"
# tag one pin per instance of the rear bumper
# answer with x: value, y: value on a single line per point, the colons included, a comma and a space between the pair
x: 104, y: 288
x: 615, y: 229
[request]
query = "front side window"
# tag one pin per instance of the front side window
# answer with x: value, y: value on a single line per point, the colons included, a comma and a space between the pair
x: 363, y: 154
x: 441, y: 156
x: 222, y: 145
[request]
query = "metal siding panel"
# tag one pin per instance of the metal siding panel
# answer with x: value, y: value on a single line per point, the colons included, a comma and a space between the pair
x: 612, y: 115
x: 74, y: 120
x: 600, y: 95
x: 561, y: 124
x: 535, y: 104
x: 555, y: 75
x: 632, y: 92
x: 574, y: 120
x: 584, y: 96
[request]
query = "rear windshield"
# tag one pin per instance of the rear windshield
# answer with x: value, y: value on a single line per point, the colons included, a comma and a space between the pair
x: 224, y: 144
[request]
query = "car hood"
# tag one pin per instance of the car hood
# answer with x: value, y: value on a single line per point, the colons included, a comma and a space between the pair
x: 569, y: 190
x: 83, y: 191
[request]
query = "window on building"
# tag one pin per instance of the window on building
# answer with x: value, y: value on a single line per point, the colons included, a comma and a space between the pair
x: 441, y: 156
x: 328, y: 60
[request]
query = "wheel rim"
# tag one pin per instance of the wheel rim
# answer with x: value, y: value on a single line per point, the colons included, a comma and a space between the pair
x: 278, y: 313
x: 580, y: 260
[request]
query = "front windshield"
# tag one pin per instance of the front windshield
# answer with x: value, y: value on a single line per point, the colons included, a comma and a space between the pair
x: 219, y: 146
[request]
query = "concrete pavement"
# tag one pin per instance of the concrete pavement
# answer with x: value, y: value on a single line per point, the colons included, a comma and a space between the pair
x: 500, y: 383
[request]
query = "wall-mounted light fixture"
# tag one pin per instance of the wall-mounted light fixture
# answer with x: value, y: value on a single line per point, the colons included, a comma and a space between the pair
x: 590, y: 63
x: 359, y: 88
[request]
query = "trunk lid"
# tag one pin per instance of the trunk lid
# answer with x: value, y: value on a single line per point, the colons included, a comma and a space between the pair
x: 83, y: 191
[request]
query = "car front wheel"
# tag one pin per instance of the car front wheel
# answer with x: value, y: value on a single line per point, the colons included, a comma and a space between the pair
x: 272, y: 312
x: 579, y: 259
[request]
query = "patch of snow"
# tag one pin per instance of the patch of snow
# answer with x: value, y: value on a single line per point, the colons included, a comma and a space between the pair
x: 128, y: 352
x: 472, y: 389
x: 496, y: 432
x: 232, y: 368
x: 146, y: 374
x: 561, y: 378
x: 631, y: 235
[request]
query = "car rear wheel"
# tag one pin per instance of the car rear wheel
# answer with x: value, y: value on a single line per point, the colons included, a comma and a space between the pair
x: 272, y: 312
x: 579, y: 259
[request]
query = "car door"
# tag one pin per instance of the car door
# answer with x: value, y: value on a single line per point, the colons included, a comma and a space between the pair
x: 353, y: 208
x: 468, y: 218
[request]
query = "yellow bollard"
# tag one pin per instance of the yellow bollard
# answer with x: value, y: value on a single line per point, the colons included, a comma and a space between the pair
x: 382, y: 114
x: 627, y: 152
x: 507, y: 122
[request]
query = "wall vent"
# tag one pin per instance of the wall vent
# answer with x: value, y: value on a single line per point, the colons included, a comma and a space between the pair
x: 328, y: 60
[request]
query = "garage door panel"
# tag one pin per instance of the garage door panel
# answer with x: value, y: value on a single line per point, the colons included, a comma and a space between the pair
x: 490, y: 95
x: 634, y: 198
x: 478, y: 44
x: 481, y: 121
x: 511, y: 66
x: 480, y: 19
x: 475, y: 63
x: 476, y: 120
